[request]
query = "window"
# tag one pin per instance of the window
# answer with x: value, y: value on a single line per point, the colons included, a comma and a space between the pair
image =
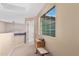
x: 48, y: 22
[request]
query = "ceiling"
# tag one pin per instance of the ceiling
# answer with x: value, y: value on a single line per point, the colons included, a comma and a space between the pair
x: 19, y: 11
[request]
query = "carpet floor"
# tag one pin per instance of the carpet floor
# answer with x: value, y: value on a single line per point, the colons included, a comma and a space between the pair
x: 24, y: 50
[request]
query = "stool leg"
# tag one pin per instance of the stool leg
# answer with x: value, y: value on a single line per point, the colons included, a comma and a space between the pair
x: 42, y: 55
x: 36, y: 51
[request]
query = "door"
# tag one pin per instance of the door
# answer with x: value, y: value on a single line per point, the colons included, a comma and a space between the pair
x: 30, y: 31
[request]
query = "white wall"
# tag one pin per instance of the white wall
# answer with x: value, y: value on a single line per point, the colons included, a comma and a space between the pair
x: 9, y: 27
x: 2, y: 27
x: 66, y: 41
x: 19, y: 28
x: 6, y: 27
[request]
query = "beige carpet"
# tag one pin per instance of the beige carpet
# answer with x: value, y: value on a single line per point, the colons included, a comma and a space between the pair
x: 21, y: 49
x: 24, y: 50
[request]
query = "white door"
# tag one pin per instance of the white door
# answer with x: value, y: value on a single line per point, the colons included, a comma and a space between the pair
x: 30, y: 31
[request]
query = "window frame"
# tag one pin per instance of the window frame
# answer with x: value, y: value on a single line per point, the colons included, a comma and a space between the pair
x: 50, y: 17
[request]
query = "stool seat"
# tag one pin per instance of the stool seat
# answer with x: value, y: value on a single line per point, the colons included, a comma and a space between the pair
x: 42, y: 51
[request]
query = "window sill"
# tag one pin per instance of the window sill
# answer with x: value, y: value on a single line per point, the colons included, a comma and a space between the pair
x: 45, y: 36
